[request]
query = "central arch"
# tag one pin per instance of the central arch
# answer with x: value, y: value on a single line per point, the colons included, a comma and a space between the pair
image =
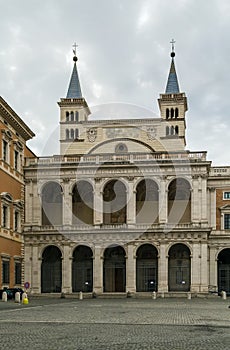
x: 179, y: 268
x: 146, y: 268
x: 114, y: 269
x: 82, y: 269
x: 147, y: 202
x: 114, y: 203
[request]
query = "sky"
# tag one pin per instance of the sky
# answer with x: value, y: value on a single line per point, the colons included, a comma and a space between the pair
x: 123, y: 57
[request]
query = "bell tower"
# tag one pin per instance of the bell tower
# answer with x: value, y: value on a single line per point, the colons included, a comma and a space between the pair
x: 173, y: 106
x: 73, y: 111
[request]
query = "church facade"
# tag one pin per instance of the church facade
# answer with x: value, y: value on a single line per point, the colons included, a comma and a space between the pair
x: 124, y: 207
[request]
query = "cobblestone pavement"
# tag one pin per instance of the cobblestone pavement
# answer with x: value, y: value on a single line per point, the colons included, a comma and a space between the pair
x: 124, y: 324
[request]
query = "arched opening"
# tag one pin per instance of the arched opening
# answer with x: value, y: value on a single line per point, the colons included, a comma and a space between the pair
x: 51, y: 270
x: 167, y: 130
x: 114, y: 203
x: 121, y: 148
x: 114, y: 269
x: 76, y: 116
x: 179, y: 268
x: 72, y: 116
x: 172, y: 112
x: 67, y: 116
x: 179, y: 201
x: 172, y: 130
x: 51, y: 204
x: 82, y: 269
x: 82, y: 203
x: 147, y: 202
x: 76, y: 134
x: 72, y: 134
x: 176, y: 130
x: 167, y: 113
x: 67, y: 134
x: 224, y: 271
x: 146, y: 268
x: 176, y: 112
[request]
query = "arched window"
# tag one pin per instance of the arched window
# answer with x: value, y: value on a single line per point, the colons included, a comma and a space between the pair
x: 172, y: 113
x: 167, y: 130
x: 147, y: 202
x: 72, y: 116
x: 176, y: 112
x: 51, y: 204
x: 76, y: 116
x: 67, y: 134
x: 76, y: 133
x: 72, y: 134
x: 67, y: 116
x: 179, y: 201
x: 114, y: 203
x: 82, y: 203
x: 176, y: 130
x: 121, y: 148
x: 167, y: 113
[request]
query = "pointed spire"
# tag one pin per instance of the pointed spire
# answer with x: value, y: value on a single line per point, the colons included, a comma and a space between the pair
x: 74, y: 90
x: 172, y: 86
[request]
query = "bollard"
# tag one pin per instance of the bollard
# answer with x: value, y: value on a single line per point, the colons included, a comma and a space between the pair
x: 24, y: 296
x: 189, y: 296
x: 154, y: 295
x: 162, y: 295
x: 17, y: 298
x: 223, y: 294
x: 80, y: 296
x: 25, y: 301
x: 4, y: 296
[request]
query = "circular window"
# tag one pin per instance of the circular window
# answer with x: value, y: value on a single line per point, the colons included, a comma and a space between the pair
x: 121, y: 148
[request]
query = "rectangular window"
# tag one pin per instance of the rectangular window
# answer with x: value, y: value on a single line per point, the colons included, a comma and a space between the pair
x: 227, y: 221
x: 5, y: 150
x: 5, y: 272
x: 17, y: 271
x: 16, y: 160
x: 16, y: 221
x: 226, y: 195
x: 4, y: 216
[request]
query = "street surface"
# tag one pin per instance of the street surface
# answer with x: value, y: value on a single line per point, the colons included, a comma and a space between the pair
x: 115, y: 324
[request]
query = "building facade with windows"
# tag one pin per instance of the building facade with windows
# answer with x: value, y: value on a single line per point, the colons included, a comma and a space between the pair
x: 13, y: 136
x: 125, y: 207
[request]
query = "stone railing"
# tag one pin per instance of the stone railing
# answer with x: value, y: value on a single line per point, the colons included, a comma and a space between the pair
x: 116, y: 158
x: 220, y: 171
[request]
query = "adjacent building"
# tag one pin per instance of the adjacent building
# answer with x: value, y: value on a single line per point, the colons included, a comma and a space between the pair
x: 126, y: 207
x: 13, y: 150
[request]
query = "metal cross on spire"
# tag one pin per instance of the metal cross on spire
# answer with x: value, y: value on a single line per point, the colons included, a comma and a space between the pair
x: 172, y: 42
x: 75, y: 49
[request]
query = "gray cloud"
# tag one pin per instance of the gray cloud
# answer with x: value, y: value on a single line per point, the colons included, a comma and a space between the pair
x: 123, y: 57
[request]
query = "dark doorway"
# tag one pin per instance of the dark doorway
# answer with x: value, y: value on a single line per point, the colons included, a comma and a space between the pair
x: 82, y: 269
x: 114, y: 269
x: 146, y: 268
x: 179, y: 268
x: 224, y: 271
x: 51, y: 270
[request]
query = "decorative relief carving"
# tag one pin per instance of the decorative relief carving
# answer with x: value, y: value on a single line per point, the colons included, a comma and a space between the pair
x: 92, y: 134
x: 151, y: 132
x: 132, y: 132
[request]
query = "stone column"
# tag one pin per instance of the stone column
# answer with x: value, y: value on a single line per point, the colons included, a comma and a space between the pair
x: 213, y: 271
x: 195, y: 201
x: 98, y: 203
x: 28, y: 263
x: 131, y: 204
x: 213, y: 207
x: 196, y: 268
x: 204, y: 199
x: 131, y: 270
x: 35, y: 270
x: 163, y: 269
x: 67, y: 203
x: 204, y: 267
x: 163, y: 202
x: 67, y: 270
x: 98, y: 271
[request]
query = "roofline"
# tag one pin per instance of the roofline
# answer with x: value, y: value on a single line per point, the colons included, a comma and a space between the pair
x: 12, y: 117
